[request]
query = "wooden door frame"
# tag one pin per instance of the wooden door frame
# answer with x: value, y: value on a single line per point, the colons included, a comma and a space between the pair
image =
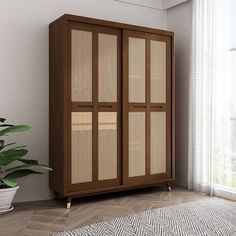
x: 60, y: 105
x: 95, y: 107
x: 147, y: 107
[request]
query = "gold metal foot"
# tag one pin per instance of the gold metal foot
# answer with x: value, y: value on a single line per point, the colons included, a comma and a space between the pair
x: 169, y: 187
x: 68, y: 205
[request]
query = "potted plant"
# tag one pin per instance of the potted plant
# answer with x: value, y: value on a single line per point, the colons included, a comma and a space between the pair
x: 13, y: 165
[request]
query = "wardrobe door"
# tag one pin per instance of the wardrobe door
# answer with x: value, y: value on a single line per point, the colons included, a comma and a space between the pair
x: 95, y: 107
x: 146, y: 107
x: 160, y: 107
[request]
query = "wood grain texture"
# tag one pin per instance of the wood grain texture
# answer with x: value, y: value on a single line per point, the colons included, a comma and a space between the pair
x: 147, y: 106
x: 158, y: 71
x: 136, y: 144
x: 81, y: 65
x: 136, y: 67
x: 107, y: 145
x: 81, y: 147
x: 57, y: 75
x: 61, y: 105
x: 115, y: 25
x: 169, y: 112
x: 47, y: 217
x: 158, y: 142
x: 95, y: 107
x: 107, y: 68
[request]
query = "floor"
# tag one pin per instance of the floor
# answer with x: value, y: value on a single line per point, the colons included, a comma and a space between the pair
x: 46, y: 217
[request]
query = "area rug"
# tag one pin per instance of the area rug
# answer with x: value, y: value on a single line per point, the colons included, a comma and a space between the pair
x: 205, y: 217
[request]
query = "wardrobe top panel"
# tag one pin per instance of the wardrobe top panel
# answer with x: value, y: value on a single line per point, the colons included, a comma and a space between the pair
x: 74, y: 18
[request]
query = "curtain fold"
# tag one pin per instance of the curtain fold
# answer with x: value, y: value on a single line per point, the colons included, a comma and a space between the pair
x: 201, y: 91
x: 212, y: 106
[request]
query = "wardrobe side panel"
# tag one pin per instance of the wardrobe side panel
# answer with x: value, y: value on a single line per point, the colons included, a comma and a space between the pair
x: 56, y: 105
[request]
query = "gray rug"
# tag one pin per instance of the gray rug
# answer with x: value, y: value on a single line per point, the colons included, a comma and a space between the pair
x: 205, y: 217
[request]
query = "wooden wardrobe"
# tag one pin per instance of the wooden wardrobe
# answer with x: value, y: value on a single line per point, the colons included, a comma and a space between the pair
x: 111, y: 106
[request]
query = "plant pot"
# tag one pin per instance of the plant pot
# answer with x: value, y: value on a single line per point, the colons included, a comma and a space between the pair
x: 6, y: 198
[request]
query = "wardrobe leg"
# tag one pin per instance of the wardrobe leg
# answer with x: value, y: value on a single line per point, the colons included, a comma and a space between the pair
x: 68, y: 202
x: 169, y: 187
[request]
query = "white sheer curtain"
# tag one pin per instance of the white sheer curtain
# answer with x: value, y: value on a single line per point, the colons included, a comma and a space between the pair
x: 212, y: 108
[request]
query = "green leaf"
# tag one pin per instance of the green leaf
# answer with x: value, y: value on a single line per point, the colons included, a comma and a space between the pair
x: 21, y: 173
x: 13, y: 129
x: 6, y: 125
x: 2, y: 120
x: 11, y: 155
x: 20, y: 147
x: 9, y: 144
x: 1, y: 144
x: 27, y: 166
x: 9, y: 182
x: 26, y: 161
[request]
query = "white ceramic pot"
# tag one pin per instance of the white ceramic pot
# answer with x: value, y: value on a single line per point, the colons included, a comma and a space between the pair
x: 6, y: 198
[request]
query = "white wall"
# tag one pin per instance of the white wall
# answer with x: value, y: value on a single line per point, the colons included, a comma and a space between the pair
x: 171, y: 3
x: 179, y: 20
x: 24, y: 66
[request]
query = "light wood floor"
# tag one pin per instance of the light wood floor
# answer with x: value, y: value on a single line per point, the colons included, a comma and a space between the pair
x: 46, y: 217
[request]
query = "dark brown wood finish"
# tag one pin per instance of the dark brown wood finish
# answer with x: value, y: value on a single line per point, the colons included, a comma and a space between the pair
x: 147, y: 107
x: 117, y: 25
x: 61, y: 106
x: 95, y: 106
x: 168, y: 108
x: 116, y: 188
x: 125, y: 107
x: 57, y: 106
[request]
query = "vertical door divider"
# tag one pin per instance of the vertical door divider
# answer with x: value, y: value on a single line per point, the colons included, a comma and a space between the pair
x: 119, y: 109
x: 95, y: 105
x: 148, y: 106
x: 125, y: 111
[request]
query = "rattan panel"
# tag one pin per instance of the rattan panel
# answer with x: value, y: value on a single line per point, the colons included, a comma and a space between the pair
x: 81, y: 149
x: 136, y: 144
x: 136, y: 70
x: 158, y: 142
x: 107, y: 145
x: 107, y: 68
x: 158, y: 72
x: 81, y: 66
